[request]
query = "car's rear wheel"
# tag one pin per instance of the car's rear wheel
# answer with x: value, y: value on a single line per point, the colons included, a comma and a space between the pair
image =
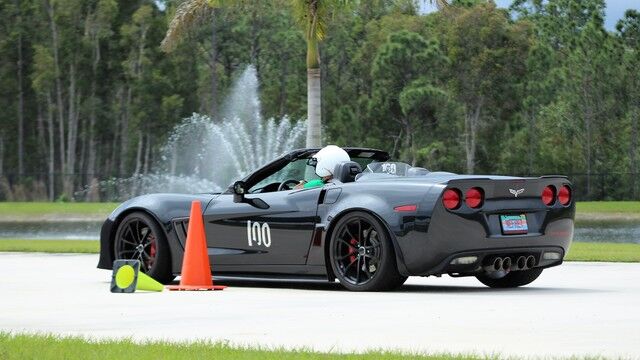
x: 512, y: 279
x: 139, y: 237
x: 361, y: 254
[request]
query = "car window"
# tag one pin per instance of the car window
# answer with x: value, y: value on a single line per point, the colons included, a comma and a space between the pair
x: 295, y: 170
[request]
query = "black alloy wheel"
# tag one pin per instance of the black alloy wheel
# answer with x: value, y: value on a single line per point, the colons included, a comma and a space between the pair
x: 140, y: 238
x: 362, y: 256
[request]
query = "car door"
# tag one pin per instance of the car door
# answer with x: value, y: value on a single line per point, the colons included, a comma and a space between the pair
x: 241, y: 234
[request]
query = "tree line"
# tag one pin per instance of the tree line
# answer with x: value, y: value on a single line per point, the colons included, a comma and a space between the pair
x: 87, y: 93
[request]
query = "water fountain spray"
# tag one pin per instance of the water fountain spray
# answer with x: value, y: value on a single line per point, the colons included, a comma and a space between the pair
x: 203, y: 155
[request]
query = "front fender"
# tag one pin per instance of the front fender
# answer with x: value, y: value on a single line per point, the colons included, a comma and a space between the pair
x: 162, y: 207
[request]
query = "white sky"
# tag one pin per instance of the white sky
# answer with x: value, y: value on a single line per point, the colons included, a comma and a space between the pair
x: 615, y: 10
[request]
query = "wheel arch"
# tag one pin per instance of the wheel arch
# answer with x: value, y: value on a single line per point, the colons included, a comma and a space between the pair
x: 118, y: 220
x: 331, y: 227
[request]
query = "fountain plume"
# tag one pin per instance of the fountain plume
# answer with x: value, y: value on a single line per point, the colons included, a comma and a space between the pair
x: 203, y: 155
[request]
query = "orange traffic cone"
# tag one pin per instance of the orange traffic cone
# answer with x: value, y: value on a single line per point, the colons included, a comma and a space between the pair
x: 196, y: 271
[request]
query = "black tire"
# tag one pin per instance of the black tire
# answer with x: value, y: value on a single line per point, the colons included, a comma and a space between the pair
x: 512, y: 279
x: 139, y: 237
x: 371, y: 252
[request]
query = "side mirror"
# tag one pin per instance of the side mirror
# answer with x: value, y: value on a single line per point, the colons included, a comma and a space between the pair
x: 240, y: 189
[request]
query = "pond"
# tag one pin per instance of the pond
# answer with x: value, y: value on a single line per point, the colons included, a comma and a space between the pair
x: 620, y: 232
x: 64, y: 230
x: 617, y: 232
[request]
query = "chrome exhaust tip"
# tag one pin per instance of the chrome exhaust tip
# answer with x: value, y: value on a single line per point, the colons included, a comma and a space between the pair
x: 493, y: 264
x: 531, y: 261
x: 521, y: 263
x: 506, y: 264
x: 497, y: 264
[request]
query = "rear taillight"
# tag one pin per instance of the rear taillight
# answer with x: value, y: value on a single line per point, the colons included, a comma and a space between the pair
x: 451, y: 199
x: 549, y: 195
x: 564, y: 195
x: 474, y: 197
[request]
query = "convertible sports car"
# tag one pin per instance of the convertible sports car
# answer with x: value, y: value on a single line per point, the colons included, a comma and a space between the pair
x: 374, y: 225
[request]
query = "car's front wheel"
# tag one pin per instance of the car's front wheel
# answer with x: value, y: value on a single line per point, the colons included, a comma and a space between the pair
x: 361, y: 254
x: 512, y: 279
x: 139, y: 237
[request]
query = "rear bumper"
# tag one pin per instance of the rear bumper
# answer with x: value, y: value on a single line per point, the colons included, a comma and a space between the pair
x: 483, y: 256
x: 428, y: 250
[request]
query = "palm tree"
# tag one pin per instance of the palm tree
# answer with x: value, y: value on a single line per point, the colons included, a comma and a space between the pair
x: 313, y: 16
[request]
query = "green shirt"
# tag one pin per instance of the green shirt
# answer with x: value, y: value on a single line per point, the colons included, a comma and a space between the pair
x: 313, y: 183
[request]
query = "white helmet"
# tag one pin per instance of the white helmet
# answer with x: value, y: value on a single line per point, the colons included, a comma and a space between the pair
x: 327, y: 159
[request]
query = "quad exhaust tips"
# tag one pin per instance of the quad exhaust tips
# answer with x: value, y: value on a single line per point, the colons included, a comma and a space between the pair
x: 497, y: 263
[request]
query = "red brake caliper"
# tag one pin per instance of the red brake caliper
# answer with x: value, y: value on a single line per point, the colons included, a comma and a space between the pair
x: 152, y: 251
x: 352, y: 250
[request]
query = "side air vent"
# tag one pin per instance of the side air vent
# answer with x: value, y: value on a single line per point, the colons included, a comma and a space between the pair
x: 181, y: 226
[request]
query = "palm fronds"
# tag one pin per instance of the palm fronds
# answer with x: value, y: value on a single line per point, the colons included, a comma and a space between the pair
x: 187, y: 15
x: 439, y: 4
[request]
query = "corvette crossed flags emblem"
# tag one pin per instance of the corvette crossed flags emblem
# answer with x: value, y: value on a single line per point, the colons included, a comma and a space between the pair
x: 516, y: 192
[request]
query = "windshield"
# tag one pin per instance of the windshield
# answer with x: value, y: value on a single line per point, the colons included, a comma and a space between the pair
x: 299, y: 170
x: 391, y: 168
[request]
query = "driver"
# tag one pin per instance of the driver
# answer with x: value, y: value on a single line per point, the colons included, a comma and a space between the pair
x: 325, y: 162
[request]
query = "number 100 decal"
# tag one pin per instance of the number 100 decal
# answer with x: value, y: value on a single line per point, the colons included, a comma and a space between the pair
x: 260, y: 234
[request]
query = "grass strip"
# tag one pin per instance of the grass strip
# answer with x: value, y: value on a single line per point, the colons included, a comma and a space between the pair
x: 608, y: 207
x: 50, y: 246
x: 16, y: 209
x: 613, y: 252
x: 23, y: 346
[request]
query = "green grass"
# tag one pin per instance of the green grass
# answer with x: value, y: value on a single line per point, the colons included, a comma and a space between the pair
x: 50, y: 246
x: 22, y: 346
x: 613, y: 252
x: 17, y: 209
x: 608, y: 207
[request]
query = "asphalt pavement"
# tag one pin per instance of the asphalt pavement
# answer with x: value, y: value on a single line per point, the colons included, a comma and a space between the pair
x: 583, y: 309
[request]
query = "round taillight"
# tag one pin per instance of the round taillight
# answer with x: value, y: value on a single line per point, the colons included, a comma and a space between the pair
x: 474, y: 197
x: 451, y: 199
x: 548, y: 195
x: 564, y: 195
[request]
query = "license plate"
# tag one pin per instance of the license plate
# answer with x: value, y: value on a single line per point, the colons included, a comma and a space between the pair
x: 514, y: 224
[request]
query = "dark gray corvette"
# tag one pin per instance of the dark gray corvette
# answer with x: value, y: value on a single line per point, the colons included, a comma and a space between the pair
x: 377, y: 223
